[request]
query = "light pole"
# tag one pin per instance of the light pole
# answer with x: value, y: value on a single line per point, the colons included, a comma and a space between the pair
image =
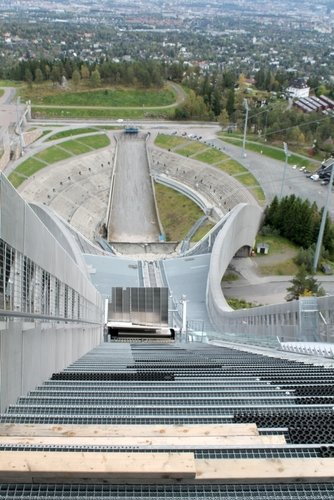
x: 245, y: 129
x: 184, y: 315
x: 286, y: 152
x: 323, y: 221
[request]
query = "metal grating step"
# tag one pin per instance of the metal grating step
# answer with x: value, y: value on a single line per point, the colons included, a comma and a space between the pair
x: 172, y: 492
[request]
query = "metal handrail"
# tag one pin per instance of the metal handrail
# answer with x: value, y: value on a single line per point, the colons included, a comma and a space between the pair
x: 17, y: 314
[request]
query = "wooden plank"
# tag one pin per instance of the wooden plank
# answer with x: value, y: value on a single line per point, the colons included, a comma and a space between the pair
x: 156, y: 468
x: 144, y: 442
x: 128, y: 430
x: 273, y: 470
x: 105, y: 468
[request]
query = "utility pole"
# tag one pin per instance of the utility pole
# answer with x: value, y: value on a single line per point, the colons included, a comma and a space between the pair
x: 245, y: 129
x: 323, y: 221
x: 286, y: 151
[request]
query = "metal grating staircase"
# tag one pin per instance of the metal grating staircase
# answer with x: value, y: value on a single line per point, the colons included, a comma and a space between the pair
x: 183, y: 384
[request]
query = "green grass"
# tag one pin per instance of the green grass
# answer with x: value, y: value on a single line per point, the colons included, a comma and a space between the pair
x: 286, y: 268
x: 232, y: 167
x: 75, y: 147
x: 258, y: 193
x: 191, y: 149
x: 1, y: 92
x: 277, y: 244
x: 24, y: 170
x: 231, y: 276
x: 177, y: 213
x: 126, y: 114
x: 283, y: 251
x: 109, y: 127
x: 95, y: 141
x: 202, y: 231
x: 52, y: 155
x: 109, y: 97
x: 16, y: 179
x: 239, y: 303
x: 30, y: 166
x: 214, y: 157
x: 247, y: 179
x: 70, y: 133
x: 9, y: 83
x: 45, y: 132
x: 270, y: 151
x: 211, y: 156
x: 169, y: 141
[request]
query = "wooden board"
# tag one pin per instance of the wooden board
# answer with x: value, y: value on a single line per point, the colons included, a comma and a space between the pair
x: 156, y: 468
x: 149, y: 441
x: 128, y: 430
x: 265, y: 470
x: 105, y: 468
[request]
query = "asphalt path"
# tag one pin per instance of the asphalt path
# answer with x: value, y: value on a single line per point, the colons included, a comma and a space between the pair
x: 8, y: 111
x: 272, y: 290
x: 270, y: 174
x: 133, y: 215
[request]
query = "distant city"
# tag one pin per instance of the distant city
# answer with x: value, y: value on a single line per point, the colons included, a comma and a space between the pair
x: 243, y: 35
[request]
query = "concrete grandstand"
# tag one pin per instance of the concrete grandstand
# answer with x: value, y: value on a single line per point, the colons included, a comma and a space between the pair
x: 224, y: 411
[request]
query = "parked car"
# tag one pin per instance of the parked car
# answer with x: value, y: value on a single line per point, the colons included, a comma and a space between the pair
x: 326, y: 268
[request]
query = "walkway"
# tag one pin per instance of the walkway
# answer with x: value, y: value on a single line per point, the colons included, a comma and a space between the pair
x: 269, y: 173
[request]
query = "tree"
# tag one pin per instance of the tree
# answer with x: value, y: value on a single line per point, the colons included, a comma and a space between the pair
x: 242, y: 81
x: 76, y: 78
x: 95, y: 78
x: 215, y: 101
x: 224, y: 118
x: 193, y: 107
x: 47, y: 71
x: 55, y: 74
x: 304, y: 285
x: 230, y: 103
x: 85, y: 73
x: 38, y: 75
x: 28, y: 76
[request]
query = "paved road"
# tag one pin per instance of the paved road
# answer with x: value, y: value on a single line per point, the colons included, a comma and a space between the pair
x: 133, y: 214
x: 271, y: 291
x: 263, y: 290
x: 270, y: 173
x: 9, y: 111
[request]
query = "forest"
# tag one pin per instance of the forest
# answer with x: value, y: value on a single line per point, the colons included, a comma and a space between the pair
x: 217, y: 95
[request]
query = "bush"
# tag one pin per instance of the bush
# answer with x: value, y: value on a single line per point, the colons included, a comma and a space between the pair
x: 305, y: 257
x: 269, y: 231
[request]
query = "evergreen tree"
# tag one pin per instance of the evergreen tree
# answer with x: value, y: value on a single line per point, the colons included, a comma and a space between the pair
x: 304, y: 284
x: 230, y: 103
x: 85, y: 73
x: 271, y: 214
x: 95, y: 78
x: 76, y: 78
x: 28, y: 76
x: 39, y: 77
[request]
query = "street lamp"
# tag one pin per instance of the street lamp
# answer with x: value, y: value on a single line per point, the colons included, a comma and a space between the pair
x: 245, y: 129
x: 286, y: 152
x: 323, y: 221
x: 184, y: 315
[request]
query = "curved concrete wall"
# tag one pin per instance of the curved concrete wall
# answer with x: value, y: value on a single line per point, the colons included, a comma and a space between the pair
x: 239, y: 230
x: 269, y: 324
